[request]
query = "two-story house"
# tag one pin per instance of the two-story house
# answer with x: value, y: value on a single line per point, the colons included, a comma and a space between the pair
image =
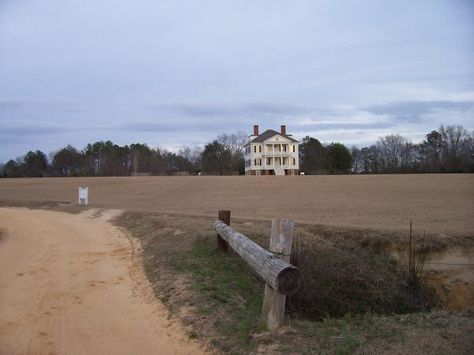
x: 271, y: 153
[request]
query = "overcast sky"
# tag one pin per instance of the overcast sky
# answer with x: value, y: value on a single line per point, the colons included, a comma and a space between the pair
x: 175, y: 73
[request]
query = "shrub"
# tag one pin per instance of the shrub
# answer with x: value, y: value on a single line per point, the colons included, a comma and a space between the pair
x: 337, y: 282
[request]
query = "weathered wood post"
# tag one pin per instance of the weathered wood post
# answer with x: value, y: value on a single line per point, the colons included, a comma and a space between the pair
x: 281, y: 238
x: 281, y: 278
x: 222, y: 245
x: 279, y: 274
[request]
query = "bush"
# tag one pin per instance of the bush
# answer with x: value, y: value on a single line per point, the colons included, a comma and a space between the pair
x: 337, y: 282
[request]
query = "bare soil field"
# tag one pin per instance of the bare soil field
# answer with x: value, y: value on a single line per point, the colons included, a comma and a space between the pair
x: 74, y: 284
x: 437, y: 203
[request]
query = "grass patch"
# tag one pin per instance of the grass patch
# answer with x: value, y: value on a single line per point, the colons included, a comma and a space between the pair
x: 215, y: 294
x: 435, y: 332
x: 220, y: 300
x: 60, y: 206
x: 225, y: 287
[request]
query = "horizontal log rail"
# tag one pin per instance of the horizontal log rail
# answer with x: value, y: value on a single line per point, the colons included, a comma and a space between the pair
x: 277, y: 273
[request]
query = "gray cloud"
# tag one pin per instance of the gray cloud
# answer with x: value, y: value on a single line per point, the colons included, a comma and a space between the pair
x: 218, y: 126
x: 182, y: 126
x: 343, y: 126
x: 414, y: 110
x: 232, y: 110
x: 160, y: 126
x: 10, y: 105
x: 30, y: 130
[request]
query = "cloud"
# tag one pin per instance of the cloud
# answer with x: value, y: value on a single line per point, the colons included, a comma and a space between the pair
x: 160, y: 126
x: 232, y: 110
x: 215, y: 117
x: 178, y: 127
x: 343, y: 126
x: 415, y: 110
x: 10, y: 105
x: 32, y: 130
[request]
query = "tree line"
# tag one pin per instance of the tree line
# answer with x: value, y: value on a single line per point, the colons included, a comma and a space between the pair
x: 449, y: 149
x: 223, y: 156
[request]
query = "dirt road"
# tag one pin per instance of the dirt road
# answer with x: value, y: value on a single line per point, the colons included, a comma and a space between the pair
x: 73, y: 284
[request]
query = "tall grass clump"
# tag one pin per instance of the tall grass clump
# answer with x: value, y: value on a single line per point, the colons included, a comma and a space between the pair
x: 340, y: 281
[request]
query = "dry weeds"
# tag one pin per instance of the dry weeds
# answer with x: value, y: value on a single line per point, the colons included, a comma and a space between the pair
x: 223, y: 307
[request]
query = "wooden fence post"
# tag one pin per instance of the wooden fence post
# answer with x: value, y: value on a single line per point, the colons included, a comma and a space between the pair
x: 222, y: 245
x: 277, y: 273
x: 281, y: 238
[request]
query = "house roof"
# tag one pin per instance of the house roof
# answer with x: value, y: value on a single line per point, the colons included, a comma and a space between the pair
x: 269, y: 133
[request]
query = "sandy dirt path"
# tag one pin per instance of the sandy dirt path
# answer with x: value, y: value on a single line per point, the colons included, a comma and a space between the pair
x: 73, y: 284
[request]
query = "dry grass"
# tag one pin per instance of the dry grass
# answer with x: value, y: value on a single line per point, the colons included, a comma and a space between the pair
x: 437, y: 203
x: 62, y: 206
x: 196, y: 282
x: 220, y: 300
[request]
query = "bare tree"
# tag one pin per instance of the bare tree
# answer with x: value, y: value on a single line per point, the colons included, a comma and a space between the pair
x: 356, y: 162
x: 455, y: 144
x: 191, y: 154
x: 369, y: 160
x: 396, y: 153
x: 234, y: 142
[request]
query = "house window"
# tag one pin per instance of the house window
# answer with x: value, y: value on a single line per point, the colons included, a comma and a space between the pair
x: 255, y: 149
x: 269, y: 161
x: 294, y: 161
x: 259, y: 148
x: 284, y: 148
x: 293, y: 148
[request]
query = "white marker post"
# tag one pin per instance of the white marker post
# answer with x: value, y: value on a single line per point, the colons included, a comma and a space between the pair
x: 83, y: 195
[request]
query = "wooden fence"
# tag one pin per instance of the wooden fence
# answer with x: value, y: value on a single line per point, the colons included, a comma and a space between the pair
x: 281, y: 278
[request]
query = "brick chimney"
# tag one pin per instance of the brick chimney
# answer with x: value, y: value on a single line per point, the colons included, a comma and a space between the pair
x: 283, y: 130
x: 255, y: 130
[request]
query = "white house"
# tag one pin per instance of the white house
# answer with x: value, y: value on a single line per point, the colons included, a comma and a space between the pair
x: 271, y: 153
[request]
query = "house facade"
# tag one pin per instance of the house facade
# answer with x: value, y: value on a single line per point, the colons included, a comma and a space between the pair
x: 271, y: 153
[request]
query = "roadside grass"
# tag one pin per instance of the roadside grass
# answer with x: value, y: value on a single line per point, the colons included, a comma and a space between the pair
x: 225, y: 287
x: 436, y: 332
x: 220, y: 300
x: 61, y: 206
x: 215, y: 295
